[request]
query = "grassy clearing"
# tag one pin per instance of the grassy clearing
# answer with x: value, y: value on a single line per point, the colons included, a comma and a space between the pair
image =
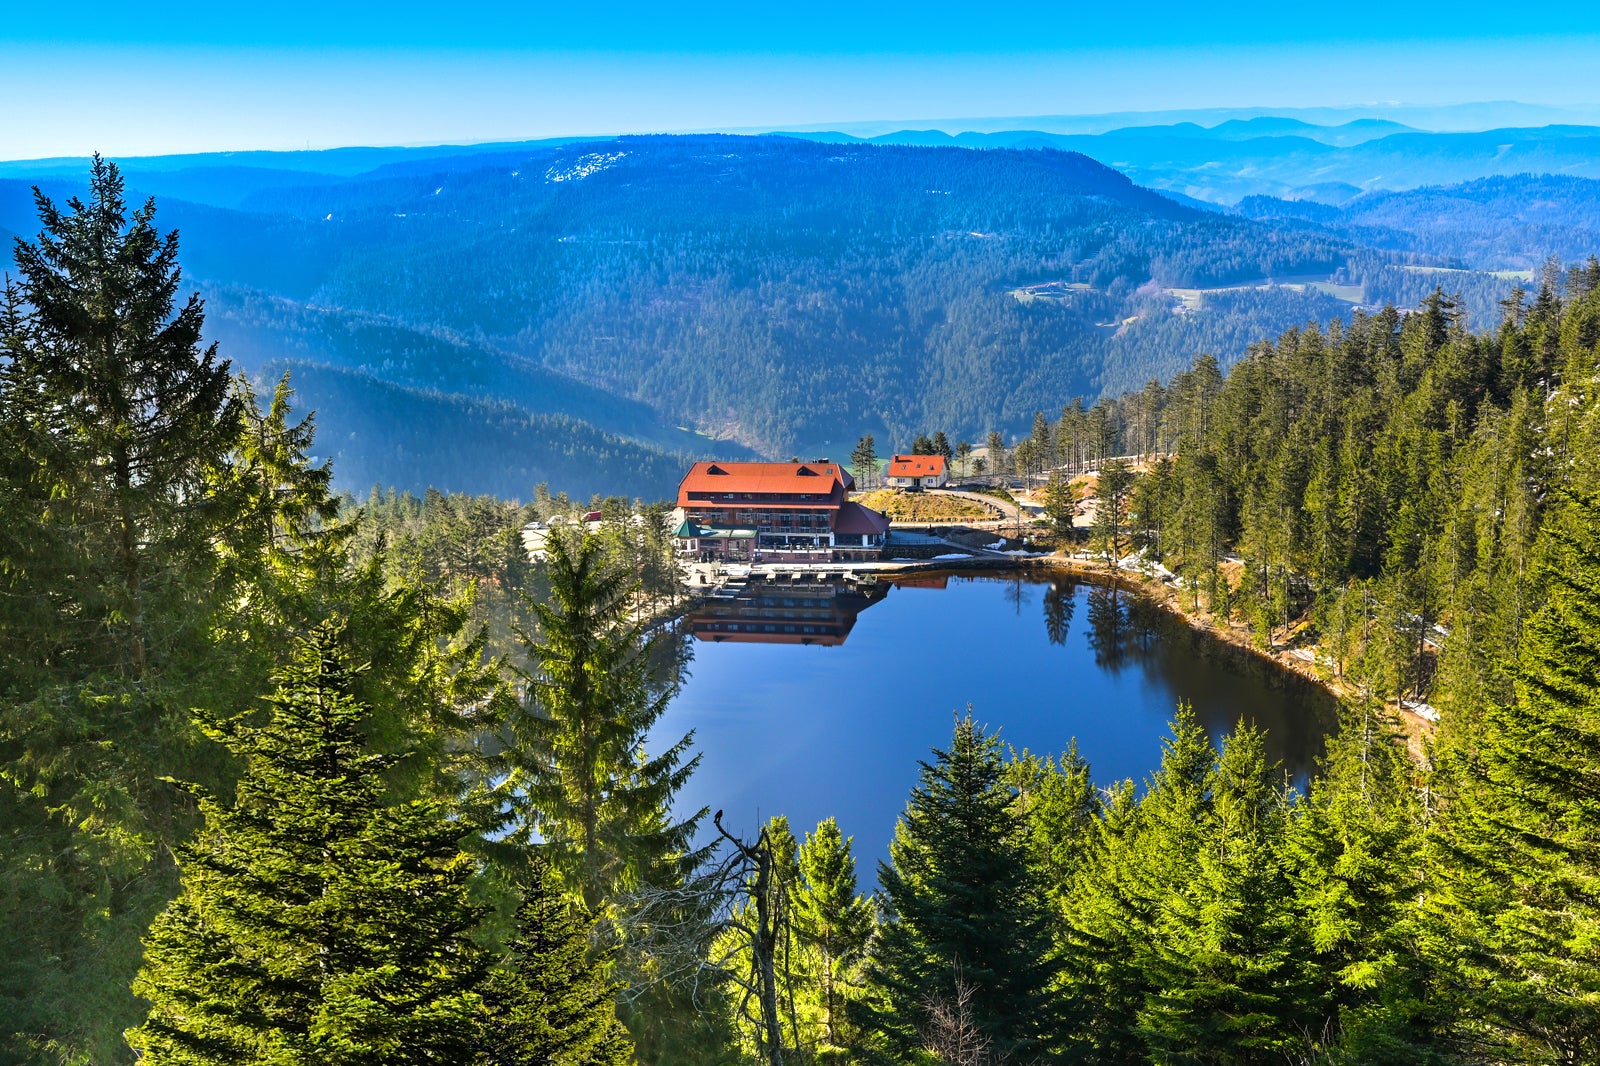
x: 921, y: 506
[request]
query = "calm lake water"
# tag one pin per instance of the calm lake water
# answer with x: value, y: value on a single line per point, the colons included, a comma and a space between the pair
x: 811, y: 705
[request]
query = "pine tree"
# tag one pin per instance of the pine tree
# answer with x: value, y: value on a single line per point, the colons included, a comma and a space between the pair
x: 600, y: 805
x: 997, y: 460
x: 962, y: 920
x: 138, y: 414
x: 549, y: 1003
x: 1227, y: 967
x: 1144, y: 855
x: 1519, y: 858
x: 864, y: 461
x: 117, y: 569
x: 1355, y: 854
x: 319, y: 922
x: 1112, y: 489
x: 1060, y: 504
x: 833, y: 925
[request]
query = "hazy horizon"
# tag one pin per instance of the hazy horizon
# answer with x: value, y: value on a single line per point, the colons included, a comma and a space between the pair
x: 317, y: 76
x: 1446, y: 118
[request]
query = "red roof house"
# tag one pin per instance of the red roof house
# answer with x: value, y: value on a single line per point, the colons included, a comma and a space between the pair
x: 917, y: 472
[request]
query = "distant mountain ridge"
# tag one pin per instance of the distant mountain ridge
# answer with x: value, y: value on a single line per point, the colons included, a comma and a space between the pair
x: 1291, y: 158
x: 724, y: 296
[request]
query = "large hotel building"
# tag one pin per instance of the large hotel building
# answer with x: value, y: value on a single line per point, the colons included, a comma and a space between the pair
x: 775, y: 512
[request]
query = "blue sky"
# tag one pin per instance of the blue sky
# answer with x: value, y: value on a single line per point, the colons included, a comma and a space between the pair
x: 165, y: 77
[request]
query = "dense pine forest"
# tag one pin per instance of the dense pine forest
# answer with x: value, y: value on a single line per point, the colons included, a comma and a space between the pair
x: 290, y: 778
x: 717, y: 295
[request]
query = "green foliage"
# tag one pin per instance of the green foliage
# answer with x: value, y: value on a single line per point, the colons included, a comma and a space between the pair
x: 1112, y: 491
x: 833, y: 926
x: 1060, y: 503
x: 585, y: 785
x: 319, y: 921
x: 549, y: 1003
x: 119, y: 563
x: 964, y: 927
x: 1385, y: 480
x: 1519, y: 851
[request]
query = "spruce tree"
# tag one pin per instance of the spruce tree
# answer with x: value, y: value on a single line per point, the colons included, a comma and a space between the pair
x: 833, y: 925
x: 115, y: 574
x: 549, y: 1003
x: 1518, y: 862
x: 1355, y: 853
x: 1227, y: 965
x: 319, y: 921
x: 135, y: 414
x: 963, y: 921
x: 1145, y: 854
x: 600, y: 804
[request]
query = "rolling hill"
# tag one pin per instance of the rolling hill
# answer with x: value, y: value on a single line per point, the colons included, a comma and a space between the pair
x: 740, y: 295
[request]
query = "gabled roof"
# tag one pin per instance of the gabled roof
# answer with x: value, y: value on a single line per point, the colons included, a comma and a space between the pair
x: 854, y: 518
x: 812, y: 479
x: 916, y: 466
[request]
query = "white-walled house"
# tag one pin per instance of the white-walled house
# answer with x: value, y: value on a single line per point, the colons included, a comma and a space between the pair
x: 917, y: 472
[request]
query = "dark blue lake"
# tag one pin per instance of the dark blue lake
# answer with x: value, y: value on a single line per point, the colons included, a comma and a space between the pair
x: 810, y: 704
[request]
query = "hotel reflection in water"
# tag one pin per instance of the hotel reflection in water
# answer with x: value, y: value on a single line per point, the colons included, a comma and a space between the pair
x: 790, y: 611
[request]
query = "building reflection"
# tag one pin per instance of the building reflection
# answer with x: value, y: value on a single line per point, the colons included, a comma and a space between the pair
x: 784, y: 611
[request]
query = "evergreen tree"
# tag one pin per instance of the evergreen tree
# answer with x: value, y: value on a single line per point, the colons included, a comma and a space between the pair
x: 1354, y: 853
x: 1060, y: 504
x: 1144, y: 856
x: 964, y: 458
x: 833, y: 925
x: 1520, y: 841
x: 549, y: 1003
x: 998, y: 460
x: 597, y: 801
x: 137, y: 415
x: 1112, y: 490
x: 319, y: 922
x: 962, y: 920
x: 864, y: 461
x: 117, y: 571
x: 1227, y: 967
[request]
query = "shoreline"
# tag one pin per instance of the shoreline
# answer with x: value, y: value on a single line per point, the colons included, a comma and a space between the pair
x: 1239, y: 638
x: 1164, y: 596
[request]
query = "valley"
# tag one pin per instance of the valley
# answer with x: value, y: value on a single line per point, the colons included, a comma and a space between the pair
x: 699, y: 295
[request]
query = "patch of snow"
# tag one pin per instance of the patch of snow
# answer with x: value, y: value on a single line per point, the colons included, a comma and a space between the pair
x: 592, y: 163
x: 951, y: 555
x: 1421, y: 710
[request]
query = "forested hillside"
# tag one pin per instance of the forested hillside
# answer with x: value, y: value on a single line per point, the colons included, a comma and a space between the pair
x: 723, y: 295
x: 1374, y: 491
x: 1500, y: 223
x: 378, y: 433
x: 269, y: 792
x: 769, y: 292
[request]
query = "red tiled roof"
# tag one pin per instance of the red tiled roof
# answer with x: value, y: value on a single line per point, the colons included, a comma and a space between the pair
x: 854, y: 518
x: 916, y: 466
x: 819, y: 479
